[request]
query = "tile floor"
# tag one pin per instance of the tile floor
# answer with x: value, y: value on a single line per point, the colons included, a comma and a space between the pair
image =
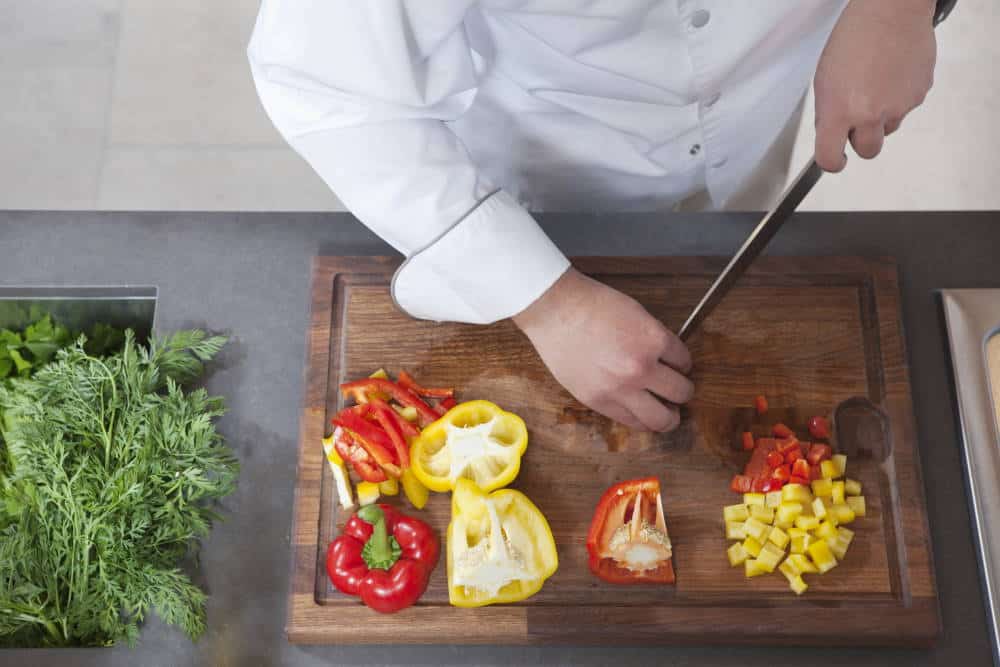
x: 142, y: 104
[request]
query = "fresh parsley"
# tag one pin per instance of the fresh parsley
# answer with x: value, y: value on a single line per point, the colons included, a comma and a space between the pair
x: 110, y: 474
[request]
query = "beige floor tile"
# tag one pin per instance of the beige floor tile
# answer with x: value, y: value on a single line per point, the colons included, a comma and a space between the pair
x: 44, y: 33
x: 52, y: 127
x: 947, y: 153
x: 182, y: 75
x: 212, y: 179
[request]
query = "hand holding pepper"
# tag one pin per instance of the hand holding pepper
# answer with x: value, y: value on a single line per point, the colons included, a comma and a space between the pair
x: 383, y: 556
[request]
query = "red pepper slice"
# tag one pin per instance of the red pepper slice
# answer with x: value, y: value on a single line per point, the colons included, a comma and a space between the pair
x: 355, y: 456
x: 818, y: 452
x: 407, y: 382
x: 781, y: 431
x: 374, y: 440
x: 782, y: 472
x: 614, y: 511
x: 775, y: 459
x: 387, y: 419
x: 760, y: 403
x: 793, y: 455
x: 741, y: 484
x: 801, y: 468
x: 447, y: 404
x: 383, y: 556
x: 819, y: 428
x: 747, y: 441
x: 401, y: 395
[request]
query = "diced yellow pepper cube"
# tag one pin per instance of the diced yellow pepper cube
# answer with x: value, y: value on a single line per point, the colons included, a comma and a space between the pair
x: 736, y: 512
x: 770, y: 556
x: 819, y: 508
x: 802, y: 564
x: 798, y: 585
x: 761, y: 513
x: 825, y: 530
x: 839, y: 549
x: 753, y: 499
x: 368, y: 493
x: 794, y: 577
x: 822, y: 487
x: 772, y: 498
x: 755, y: 529
x: 837, y: 492
x: 751, y: 568
x: 799, y: 543
x: 856, y: 503
x: 796, y: 493
x: 778, y: 537
x: 380, y: 374
x: 389, y: 487
x: 843, y: 513
x: 822, y: 557
x: 752, y: 546
x: 737, y: 554
x: 409, y: 413
x: 788, y: 569
x: 840, y: 460
x: 828, y: 469
x: 845, y: 533
x: 807, y: 522
x: 852, y: 487
x: 735, y: 530
x: 786, y: 514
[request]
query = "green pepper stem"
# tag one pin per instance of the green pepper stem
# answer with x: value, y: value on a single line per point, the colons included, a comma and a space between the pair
x: 381, y: 551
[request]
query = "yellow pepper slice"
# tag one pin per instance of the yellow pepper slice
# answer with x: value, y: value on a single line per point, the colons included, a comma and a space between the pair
x: 474, y: 440
x: 414, y: 489
x: 500, y: 547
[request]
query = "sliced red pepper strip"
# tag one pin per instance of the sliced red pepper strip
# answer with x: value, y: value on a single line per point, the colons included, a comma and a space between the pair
x: 447, y: 404
x: 359, y: 460
x: 406, y: 381
x: 387, y: 419
x: 400, y: 394
x: 373, y: 439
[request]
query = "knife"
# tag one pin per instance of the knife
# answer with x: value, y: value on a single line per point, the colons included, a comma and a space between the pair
x: 755, y: 243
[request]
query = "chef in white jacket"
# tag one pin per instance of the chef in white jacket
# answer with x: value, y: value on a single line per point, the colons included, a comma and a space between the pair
x: 441, y: 123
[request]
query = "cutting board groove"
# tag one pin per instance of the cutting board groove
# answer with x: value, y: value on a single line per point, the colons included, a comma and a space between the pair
x: 808, y: 332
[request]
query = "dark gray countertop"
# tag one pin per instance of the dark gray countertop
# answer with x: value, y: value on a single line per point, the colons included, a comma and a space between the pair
x: 248, y: 274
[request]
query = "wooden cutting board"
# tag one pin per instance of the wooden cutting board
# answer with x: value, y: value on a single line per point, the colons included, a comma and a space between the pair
x: 807, y: 332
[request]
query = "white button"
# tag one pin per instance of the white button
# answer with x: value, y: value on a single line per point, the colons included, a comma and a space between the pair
x: 720, y: 163
x: 710, y: 102
x: 700, y: 18
x: 695, y: 149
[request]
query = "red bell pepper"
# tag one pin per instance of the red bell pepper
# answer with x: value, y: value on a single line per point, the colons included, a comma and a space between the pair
x: 383, y: 556
x: 819, y: 428
x: 760, y: 403
x: 747, y: 441
x: 781, y: 431
x: 374, y: 440
x: 616, y: 511
x: 818, y: 452
x: 400, y: 394
x: 407, y: 382
x: 390, y: 423
x: 801, y: 468
x: 355, y: 455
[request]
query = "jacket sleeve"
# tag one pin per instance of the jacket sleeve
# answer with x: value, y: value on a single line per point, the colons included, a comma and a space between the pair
x: 364, y: 91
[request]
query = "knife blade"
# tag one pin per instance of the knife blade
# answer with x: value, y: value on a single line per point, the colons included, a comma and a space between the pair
x: 752, y: 247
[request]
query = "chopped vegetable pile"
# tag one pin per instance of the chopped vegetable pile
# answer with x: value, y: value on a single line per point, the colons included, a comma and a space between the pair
x: 110, y: 471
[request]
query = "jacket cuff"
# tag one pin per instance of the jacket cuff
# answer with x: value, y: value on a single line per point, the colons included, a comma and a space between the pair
x: 492, y: 264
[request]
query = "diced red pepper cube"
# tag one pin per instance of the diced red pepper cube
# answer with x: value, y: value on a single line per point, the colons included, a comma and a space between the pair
x: 771, y: 485
x: 757, y: 486
x: 819, y: 428
x: 795, y: 479
x: 815, y: 473
x: 760, y: 403
x: 793, y: 455
x: 781, y: 431
x: 801, y: 468
x: 740, y: 484
x: 747, y: 441
x: 818, y: 452
x: 785, y: 446
x: 775, y: 459
x: 782, y: 472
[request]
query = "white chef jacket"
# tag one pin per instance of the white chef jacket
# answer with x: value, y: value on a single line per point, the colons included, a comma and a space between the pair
x: 439, y: 122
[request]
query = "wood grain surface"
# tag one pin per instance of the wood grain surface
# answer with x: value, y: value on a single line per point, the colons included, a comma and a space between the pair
x: 807, y: 332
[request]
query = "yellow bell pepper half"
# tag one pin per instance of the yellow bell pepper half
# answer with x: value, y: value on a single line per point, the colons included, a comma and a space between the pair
x: 500, y: 547
x: 474, y: 440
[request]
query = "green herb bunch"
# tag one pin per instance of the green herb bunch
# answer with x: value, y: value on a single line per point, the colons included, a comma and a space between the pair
x: 108, y: 482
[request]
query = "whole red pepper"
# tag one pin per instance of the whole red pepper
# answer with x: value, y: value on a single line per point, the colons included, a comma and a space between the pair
x: 383, y: 556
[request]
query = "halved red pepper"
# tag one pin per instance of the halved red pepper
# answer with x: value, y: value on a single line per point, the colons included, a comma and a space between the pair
x: 407, y: 382
x: 390, y: 423
x: 373, y: 439
x: 383, y: 556
x: 629, y: 524
x: 355, y: 455
x: 400, y: 394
